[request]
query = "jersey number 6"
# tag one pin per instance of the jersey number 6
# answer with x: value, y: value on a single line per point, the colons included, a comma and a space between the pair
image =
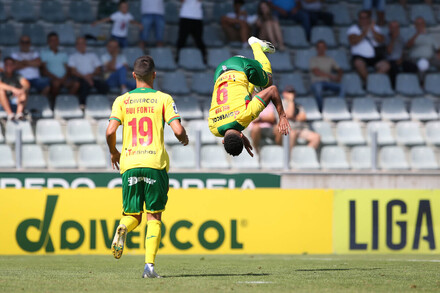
x: 222, y: 89
x: 141, y: 130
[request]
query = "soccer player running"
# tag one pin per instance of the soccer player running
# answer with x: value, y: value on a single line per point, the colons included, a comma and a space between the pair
x: 144, y: 162
x: 232, y: 108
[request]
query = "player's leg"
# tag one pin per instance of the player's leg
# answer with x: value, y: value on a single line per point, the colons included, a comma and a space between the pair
x: 258, y: 48
x: 152, y: 242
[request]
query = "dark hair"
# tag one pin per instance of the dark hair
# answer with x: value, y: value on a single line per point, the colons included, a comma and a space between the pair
x: 233, y: 144
x: 144, y: 68
x: 52, y: 34
x: 321, y: 41
x: 122, y: 1
x: 8, y: 59
x: 241, y: 2
x: 368, y: 12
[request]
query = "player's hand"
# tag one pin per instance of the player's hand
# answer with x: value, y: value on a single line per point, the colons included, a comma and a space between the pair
x: 115, y: 156
x: 247, y: 145
x: 284, y: 126
x: 185, y: 140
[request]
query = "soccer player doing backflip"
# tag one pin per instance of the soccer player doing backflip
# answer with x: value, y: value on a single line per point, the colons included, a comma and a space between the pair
x: 232, y: 107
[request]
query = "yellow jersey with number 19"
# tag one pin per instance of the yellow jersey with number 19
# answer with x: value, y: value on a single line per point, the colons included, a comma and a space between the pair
x: 143, y: 113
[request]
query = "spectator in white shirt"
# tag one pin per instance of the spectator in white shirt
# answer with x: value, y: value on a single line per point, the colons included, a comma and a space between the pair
x: 28, y: 65
x: 121, y: 19
x: 115, y: 68
x: 86, y: 68
x: 236, y: 24
x: 153, y: 16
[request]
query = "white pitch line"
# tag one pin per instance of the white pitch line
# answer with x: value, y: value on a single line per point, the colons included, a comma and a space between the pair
x: 255, y: 282
x: 382, y: 259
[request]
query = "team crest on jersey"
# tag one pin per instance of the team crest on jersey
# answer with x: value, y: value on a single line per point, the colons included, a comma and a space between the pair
x: 175, y: 108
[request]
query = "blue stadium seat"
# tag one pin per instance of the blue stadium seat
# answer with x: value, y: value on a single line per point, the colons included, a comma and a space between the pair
x: 133, y: 35
x: 182, y: 157
x: 384, y: 133
x: 79, y: 131
x: 407, y: 32
x: 394, y: 109
x: 341, y: 15
x: 341, y: 58
x: 324, y: 33
x: 292, y: 79
x: 171, y: 13
x: 396, y: 12
x: 271, y: 157
x: 27, y: 135
x: 97, y: 106
x: 189, y: 108
x: 213, y: 36
x: 364, y: 109
x: 202, y: 83
x: 191, y: 59
x: 423, y: 109
x: 360, y: 157
x: 393, y: 158
x: 33, y: 157
x: 294, y: 36
x: 132, y: 53
x: 324, y: 129
x: 174, y: 83
x: 164, y: 59
x: 423, y: 158
x: 23, y: 11
x: 80, y: 11
x: 3, y: 15
x: 61, y: 156
x: 8, y: 36
x: 408, y: 133
x: 36, y: 33
x: 39, y: 107
x: 422, y: 10
x: 220, y: 9
x: 343, y: 37
x: 379, y: 84
x: 335, y: 109
x: 432, y: 84
x: 280, y: 62
x: 310, y: 107
x: 91, y: 156
x: 134, y: 7
x: 408, y: 84
x: 171, y: 34
x: 302, y: 58
x: 66, y: 34
x: 52, y: 11
x: 6, y: 158
x: 216, y: 56
x: 333, y: 157
x: 304, y: 158
x: 67, y: 107
x: 433, y: 132
x: 349, y: 133
x: 48, y: 131
x: 352, y: 84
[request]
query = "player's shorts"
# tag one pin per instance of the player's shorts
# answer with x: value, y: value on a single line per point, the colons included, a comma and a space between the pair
x: 246, y: 114
x: 144, y: 190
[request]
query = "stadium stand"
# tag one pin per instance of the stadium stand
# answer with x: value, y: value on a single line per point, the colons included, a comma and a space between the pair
x: 6, y: 158
x: 271, y: 157
x: 27, y: 134
x: 61, y: 156
x: 360, y: 157
x: 91, y: 156
x: 304, y: 157
x: 245, y: 162
x: 423, y: 158
x: 33, y: 157
x: 183, y: 157
x: 392, y: 158
x: 334, y: 158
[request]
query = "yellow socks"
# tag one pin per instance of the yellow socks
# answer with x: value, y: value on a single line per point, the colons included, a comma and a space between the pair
x: 261, y: 57
x: 152, y: 241
x: 129, y: 222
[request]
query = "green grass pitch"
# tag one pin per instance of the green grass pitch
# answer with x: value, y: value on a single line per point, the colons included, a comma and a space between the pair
x: 221, y: 273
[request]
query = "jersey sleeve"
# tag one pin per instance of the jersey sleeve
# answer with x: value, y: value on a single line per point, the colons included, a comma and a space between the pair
x: 117, y: 113
x: 255, y: 73
x: 170, y: 112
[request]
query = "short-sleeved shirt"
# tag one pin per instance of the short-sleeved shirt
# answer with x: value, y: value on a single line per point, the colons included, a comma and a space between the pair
x: 424, y: 47
x: 121, y: 60
x: 364, y: 48
x: 399, y: 45
x: 324, y: 63
x: 55, y: 62
x: 84, y: 63
x: 30, y: 72
x: 143, y: 112
x: 13, y: 80
x: 120, y: 23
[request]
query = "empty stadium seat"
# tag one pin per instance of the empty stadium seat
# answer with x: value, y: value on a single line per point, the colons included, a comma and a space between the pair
x: 216, y: 56
x: 352, y: 85
x: 81, y: 11
x: 349, y: 133
x: 394, y: 109
x: 23, y: 11
x: 134, y: 7
x: 33, y: 157
x: 360, y: 157
x: 246, y: 52
x: 294, y: 36
x: 423, y: 158
x: 271, y: 157
x: 8, y: 36
x: 433, y: 132
x: 213, y: 36
x: 91, y: 156
x: 343, y: 37
x: 132, y: 53
x: 171, y: 34
x: 102, y: 127
x: 379, y: 84
x: 191, y: 59
x: 324, y: 33
x: 302, y: 58
x: 280, y: 62
x: 97, y: 106
x: 396, y: 12
x: 3, y: 15
x: 214, y: 157
x: 66, y: 33
x: 52, y: 11
x: 310, y: 107
x: 36, y: 33
x: 2, y: 138
x: 174, y: 83
x: 206, y: 136
x: 341, y: 58
x: 165, y: 56
x: 393, y: 158
x: 27, y: 135
x: 171, y: 13
x: 432, y: 83
x: 333, y: 157
x: 335, y: 109
x: 364, y: 109
x: 341, y: 15
x: 292, y: 79
x: 324, y: 129
x: 48, y: 131
x: 202, y: 83
x: 6, y: 158
x: 61, y: 156
x: 189, y: 108
x: 79, y: 131
x: 67, y: 106
x: 423, y: 109
x: 384, y: 133
x: 408, y: 84
x: 245, y: 162
x: 182, y: 157
x: 408, y: 133
x: 38, y: 106
x: 168, y: 135
x: 304, y: 157
x: 422, y: 10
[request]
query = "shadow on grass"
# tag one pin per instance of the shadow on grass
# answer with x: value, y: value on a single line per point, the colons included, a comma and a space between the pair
x: 215, y: 275
x: 337, y: 270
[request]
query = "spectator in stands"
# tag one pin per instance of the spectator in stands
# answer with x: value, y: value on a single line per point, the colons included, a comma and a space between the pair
x: 263, y: 126
x: 379, y: 6
x: 325, y: 74
x: 191, y: 23
x: 395, y: 45
x: 297, y: 117
x: 2, y: 64
x: 422, y: 46
x: 121, y: 20
x: 237, y: 24
x: 153, y: 16
x: 366, y: 41
x: 28, y: 64
x: 316, y: 14
x: 13, y: 89
x: 436, y: 61
x: 269, y: 26
x: 115, y: 68
x: 291, y: 9
x: 86, y: 68
x: 54, y: 66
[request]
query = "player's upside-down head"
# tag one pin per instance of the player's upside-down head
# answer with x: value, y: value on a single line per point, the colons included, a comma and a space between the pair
x: 233, y: 142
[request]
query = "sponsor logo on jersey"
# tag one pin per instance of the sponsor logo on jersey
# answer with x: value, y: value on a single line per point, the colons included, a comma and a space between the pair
x: 225, y: 116
x: 175, y: 108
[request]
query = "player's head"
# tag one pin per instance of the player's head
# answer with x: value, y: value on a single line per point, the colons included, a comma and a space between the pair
x: 233, y: 142
x: 144, y: 69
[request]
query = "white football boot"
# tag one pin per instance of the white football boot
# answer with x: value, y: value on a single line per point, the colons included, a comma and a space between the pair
x: 265, y: 45
x: 119, y: 241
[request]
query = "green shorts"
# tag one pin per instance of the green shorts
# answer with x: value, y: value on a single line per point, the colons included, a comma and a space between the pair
x: 144, y: 190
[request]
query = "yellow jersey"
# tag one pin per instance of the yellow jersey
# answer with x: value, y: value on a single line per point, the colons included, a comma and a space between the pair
x: 143, y: 113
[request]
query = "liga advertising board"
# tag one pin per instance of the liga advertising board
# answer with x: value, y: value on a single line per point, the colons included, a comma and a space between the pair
x: 196, y: 221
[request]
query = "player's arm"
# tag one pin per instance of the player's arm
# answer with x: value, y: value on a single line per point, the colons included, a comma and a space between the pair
x: 107, y: 19
x: 179, y: 131
x: 271, y: 94
x: 111, y: 142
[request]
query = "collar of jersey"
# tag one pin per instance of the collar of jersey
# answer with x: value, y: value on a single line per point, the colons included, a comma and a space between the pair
x: 141, y: 90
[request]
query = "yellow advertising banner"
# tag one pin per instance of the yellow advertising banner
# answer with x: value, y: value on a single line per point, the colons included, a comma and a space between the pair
x: 83, y: 221
x: 387, y: 221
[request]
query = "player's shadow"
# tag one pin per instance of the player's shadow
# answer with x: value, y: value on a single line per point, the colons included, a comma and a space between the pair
x: 215, y: 275
x: 329, y: 270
